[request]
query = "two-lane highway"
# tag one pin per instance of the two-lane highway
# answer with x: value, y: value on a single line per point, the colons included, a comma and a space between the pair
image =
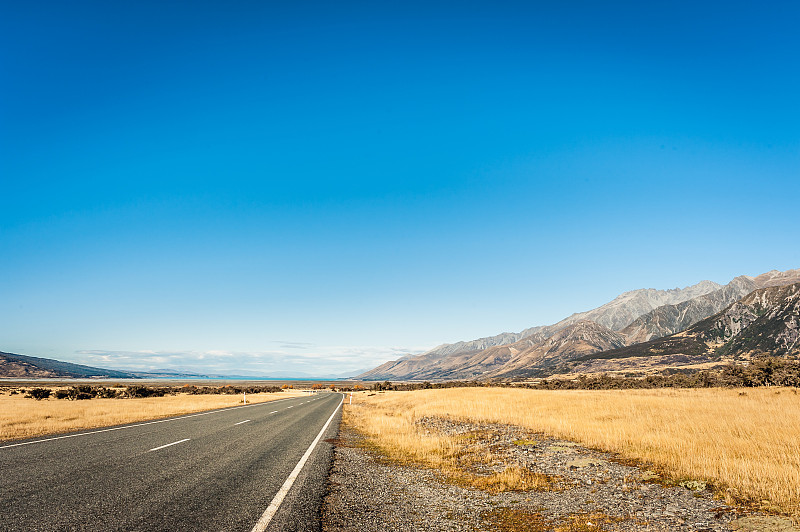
x: 217, y: 470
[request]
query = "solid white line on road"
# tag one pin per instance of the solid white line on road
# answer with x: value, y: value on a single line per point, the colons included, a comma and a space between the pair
x: 142, y: 424
x: 239, y: 423
x: 269, y: 513
x: 169, y: 444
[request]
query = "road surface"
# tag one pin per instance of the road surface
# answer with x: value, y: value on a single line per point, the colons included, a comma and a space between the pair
x: 211, y: 471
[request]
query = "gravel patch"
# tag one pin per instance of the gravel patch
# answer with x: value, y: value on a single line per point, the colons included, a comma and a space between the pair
x: 368, y: 493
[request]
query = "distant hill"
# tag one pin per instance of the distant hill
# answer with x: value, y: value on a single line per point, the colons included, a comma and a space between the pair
x: 13, y: 366
x: 23, y: 366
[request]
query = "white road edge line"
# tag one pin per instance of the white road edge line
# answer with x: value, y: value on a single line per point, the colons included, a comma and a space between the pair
x: 274, y: 412
x: 168, y: 445
x: 269, y: 513
x: 143, y: 424
x: 239, y: 423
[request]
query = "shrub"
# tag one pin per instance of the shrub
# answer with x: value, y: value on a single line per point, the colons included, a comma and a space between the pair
x: 143, y: 391
x: 80, y: 392
x: 39, y: 393
x: 106, y: 393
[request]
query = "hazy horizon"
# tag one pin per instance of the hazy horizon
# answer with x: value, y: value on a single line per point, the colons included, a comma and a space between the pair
x: 321, y: 188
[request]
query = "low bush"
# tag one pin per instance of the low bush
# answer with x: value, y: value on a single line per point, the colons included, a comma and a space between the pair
x: 144, y: 391
x: 39, y: 393
x: 85, y: 391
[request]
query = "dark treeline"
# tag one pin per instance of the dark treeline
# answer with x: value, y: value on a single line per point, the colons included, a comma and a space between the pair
x: 411, y: 386
x: 761, y: 371
x: 229, y: 389
x: 85, y: 391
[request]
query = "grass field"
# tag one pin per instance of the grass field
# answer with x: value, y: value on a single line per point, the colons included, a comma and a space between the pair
x: 746, y: 442
x: 22, y: 417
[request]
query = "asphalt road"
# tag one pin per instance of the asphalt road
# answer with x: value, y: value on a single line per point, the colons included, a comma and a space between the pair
x: 220, y: 472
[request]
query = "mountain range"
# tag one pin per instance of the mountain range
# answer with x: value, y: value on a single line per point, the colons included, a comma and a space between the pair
x: 632, y: 318
x: 638, y: 331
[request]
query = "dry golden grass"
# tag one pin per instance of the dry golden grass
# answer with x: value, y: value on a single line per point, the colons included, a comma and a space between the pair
x: 27, y: 418
x: 511, y: 478
x: 464, y: 459
x: 744, y: 442
x: 519, y: 520
x: 516, y: 520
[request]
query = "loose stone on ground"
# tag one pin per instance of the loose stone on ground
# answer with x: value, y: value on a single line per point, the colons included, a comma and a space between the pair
x: 368, y: 493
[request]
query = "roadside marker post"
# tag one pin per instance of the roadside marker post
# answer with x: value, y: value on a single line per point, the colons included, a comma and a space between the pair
x: 245, y: 397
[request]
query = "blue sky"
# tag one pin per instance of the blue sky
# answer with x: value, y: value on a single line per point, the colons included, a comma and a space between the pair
x: 318, y: 187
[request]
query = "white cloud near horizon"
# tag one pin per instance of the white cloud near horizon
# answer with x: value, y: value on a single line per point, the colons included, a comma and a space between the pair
x: 288, y: 358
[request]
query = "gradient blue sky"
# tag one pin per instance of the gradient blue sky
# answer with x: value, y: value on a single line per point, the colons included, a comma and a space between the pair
x: 257, y: 187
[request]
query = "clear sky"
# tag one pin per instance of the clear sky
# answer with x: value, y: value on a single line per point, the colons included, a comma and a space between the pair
x: 257, y: 187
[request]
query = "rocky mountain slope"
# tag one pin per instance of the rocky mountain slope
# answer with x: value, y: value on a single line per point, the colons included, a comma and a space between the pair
x: 766, y: 321
x: 777, y: 278
x: 669, y: 319
x: 575, y: 341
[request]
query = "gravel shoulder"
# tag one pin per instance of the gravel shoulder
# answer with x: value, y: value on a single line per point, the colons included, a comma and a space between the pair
x: 595, y: 491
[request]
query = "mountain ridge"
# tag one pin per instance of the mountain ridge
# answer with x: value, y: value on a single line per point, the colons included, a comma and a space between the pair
x: 669, y: 319
x: 614, y: 314
x: 504, y: 338
x: 632, y: 317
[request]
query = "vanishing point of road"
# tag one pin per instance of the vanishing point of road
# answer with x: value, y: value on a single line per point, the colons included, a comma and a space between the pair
x: 254, y: 467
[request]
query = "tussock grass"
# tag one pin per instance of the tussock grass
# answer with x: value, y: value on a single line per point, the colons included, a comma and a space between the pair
x: 516, y: 520
x: 510, y: 479
x: 587, y: 522
x: 748, y: 446
x: 26, y: 418
x: 519, y: 520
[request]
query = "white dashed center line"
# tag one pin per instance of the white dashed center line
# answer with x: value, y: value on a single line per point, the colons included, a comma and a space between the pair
x: 167, y: 445
x: 274, y: 412
x: 269, y: 513
x: 239, y: 423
